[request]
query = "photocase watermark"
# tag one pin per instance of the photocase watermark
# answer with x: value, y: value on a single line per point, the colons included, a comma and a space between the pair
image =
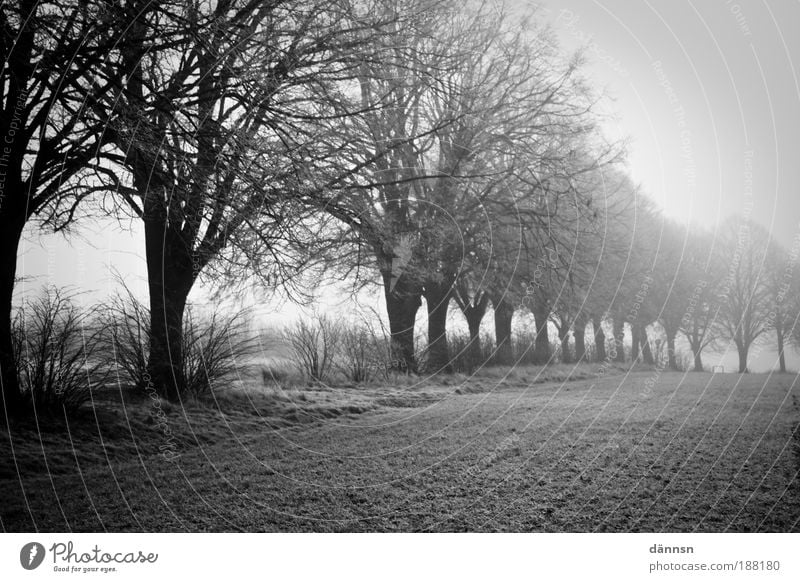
x: 169, y: 449
x: 31, y: 555
x: 508, y: 446
x: 8, y: 142
x: 547, y: 261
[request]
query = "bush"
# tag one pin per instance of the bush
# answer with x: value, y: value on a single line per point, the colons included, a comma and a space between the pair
x: 462, y: 359
x: 364, y: 355
x: 213, y: 346
x: 313, y: 344
x: 55, y: 347
x: 127, y: 328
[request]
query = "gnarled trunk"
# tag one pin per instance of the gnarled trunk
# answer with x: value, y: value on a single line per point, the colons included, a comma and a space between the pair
x: 170, y: 277
x: 580, y: 339
x: 647, y: 353
x: 619, y: 339
x: 563, y: 338
x: 698, y: 361
x: 503, y: 314
x: 541, y: 313
x: 781, y: 355
x: 474, y: 312
x: 437, y: 298
x: 635, y: 341
x: 403, y: 300
x: 742, y: 349
x: 672, y: 362
x: 599, y: 340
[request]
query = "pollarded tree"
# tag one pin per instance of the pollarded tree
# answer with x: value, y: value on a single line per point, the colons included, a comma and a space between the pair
x: 744, y: 293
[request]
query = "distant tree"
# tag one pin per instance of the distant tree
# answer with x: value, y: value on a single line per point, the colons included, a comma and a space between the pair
x: 783, y: 297
x: 705, y: 273
x: 744, y: 293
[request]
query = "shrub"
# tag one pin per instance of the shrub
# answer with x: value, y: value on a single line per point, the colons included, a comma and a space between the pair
x: 213, y: 346
x: 463, y: 360
x: 127, y: 328
x: 364, y: 354
x: 313, y: 344
x: 55, y: 347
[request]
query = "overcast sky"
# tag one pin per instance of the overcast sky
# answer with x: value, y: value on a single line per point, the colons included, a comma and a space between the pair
x: 707, y: 92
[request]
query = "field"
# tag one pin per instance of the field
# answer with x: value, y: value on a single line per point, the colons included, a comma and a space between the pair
x: 620, y: 451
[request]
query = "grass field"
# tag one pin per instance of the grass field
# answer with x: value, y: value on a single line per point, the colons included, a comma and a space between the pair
x: 638, y: 451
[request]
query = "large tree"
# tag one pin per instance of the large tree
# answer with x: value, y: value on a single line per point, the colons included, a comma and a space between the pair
x: 62, y: 67
x: 217, y: 134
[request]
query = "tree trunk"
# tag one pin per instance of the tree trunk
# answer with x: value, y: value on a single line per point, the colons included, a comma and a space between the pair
x: 11, y: 227
x: 170, y: 278
x: 503, y: 314
x: 437, y: 298
x: 541, y: 354
x: 402, y: 303
x: 742, y: 349
x: 698, y: 360
x: 635, y: 341
x: 474, y: 315
x: 781, y: 355
x: 619, y: 340
x: 580, y: 339
x: 563, y: 337
x: 599, y: 339
x: 672, y: 362
x: 647, y: 353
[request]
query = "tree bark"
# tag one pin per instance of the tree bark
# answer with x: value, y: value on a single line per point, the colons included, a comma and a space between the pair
x: 503, y: 314
x: 599, y: 340
x: 672, y: 362
x: 402, y: 303
x: 781, y: 355
x: 11, y: 226
x: 170, y: 278
x: 742, y: 349
x: 619, y: 340
x: 437, y: 299
x: 698, y: 361
x: 580, y: 339
x: 541, y: 354
x: 635, y: 341
x: 647, y: 353
x: 563, y: 337
x: 474, y: 314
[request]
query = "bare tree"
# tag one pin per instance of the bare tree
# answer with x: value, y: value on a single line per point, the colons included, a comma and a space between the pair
x: 782, y: 280
x: 215, y: 134
x: 61, y: 67
x: 745, y: 306
x: 704, y: 273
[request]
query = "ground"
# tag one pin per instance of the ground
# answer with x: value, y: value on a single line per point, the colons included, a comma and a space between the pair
x: 610, y: 451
